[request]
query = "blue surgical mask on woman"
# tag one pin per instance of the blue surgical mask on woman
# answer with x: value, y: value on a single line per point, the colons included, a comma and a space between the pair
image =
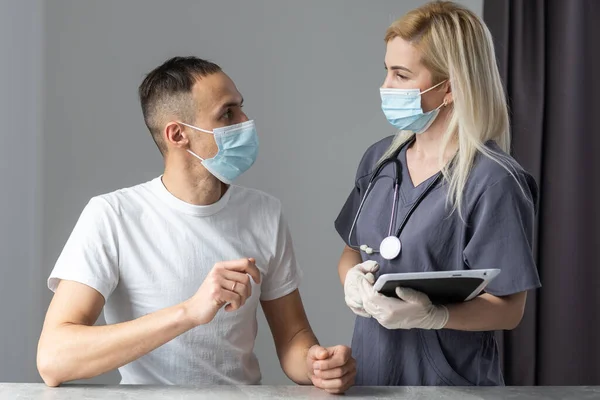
x: 402, y: 108
x: 238, y: 149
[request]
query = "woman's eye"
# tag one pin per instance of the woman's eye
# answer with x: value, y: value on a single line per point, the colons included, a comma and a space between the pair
x: 401, y: 77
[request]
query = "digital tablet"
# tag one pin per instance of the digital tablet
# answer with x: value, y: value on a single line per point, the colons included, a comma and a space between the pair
x: 442, y: 287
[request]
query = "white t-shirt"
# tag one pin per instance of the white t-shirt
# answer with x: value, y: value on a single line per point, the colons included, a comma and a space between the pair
x: 144, y: 250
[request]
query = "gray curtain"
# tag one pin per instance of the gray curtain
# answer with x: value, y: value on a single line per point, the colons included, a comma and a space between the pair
x: 549, y: 58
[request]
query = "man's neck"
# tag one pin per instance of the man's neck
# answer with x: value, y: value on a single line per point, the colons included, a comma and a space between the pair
x: 189, y: 186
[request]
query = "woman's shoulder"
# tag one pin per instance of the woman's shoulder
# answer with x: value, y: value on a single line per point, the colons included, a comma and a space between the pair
x: 495, y: 165
x: 500, y: 170
x: 372, y: 156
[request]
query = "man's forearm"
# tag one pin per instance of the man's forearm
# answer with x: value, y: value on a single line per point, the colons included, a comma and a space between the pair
x: 293, y: 358
x: 68, y: 352
x: 487, y: 313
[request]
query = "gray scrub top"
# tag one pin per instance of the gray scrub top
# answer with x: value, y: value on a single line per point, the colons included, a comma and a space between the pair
x: 498, y: 233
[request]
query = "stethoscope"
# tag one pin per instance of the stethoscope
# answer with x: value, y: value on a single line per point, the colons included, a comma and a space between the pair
x: 390, y: 246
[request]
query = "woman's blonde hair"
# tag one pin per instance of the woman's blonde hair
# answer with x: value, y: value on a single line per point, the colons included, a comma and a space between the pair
x: 456, y: 45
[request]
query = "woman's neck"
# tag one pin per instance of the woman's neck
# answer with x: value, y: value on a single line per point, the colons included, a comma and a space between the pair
x: 428, y: 145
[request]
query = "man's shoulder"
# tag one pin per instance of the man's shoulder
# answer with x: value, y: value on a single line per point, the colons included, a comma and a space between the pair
x: 120, y: 200
x: 255, y: 200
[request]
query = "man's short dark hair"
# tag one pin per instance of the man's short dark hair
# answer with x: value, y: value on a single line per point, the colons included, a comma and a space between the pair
x: 166, y: 92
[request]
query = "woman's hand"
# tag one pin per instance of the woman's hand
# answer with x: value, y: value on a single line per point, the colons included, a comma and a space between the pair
x: 412, y: 309
x: 356, y: 276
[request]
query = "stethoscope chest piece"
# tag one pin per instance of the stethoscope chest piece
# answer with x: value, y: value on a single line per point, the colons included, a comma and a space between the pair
x: 390, y: 247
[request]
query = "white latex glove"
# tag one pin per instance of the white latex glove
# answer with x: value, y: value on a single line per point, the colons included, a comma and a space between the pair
x: 413, y: 309
x: 359, y: 273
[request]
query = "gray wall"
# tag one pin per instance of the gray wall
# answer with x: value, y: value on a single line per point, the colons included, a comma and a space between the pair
x: 310, y: 72
x: 21, y: 108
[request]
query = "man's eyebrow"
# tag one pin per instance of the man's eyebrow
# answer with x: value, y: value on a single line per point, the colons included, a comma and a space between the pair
x: 231, y: 103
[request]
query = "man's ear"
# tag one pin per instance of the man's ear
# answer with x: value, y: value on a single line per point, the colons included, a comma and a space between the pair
x: 175, y: 136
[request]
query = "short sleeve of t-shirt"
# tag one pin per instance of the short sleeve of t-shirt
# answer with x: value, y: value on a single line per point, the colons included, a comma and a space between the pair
x: 90, y: 255
x: 500, y: 235
x: 283, y: 276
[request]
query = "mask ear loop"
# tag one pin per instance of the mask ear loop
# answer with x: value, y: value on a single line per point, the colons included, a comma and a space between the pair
x: 433, y: 87
x: 444, y: 104
x: 195, y: 127
x: 195, y: 155
x: 198, y: 129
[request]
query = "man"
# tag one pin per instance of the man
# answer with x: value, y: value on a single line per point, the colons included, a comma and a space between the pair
x: 164, y: 257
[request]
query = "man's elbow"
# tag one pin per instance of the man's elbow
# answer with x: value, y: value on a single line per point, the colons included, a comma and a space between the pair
x: 48, y: 365
x: 50, y: 381
x: 47, y: 368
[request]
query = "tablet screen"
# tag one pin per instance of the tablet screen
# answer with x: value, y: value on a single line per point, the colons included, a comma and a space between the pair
x: 440, y: 291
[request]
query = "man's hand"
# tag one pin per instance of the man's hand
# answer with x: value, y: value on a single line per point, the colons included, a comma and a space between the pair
x: 332, y: 369
x: 227, y: 283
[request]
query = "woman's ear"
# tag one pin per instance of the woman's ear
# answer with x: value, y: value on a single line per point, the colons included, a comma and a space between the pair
x: 448, y: 98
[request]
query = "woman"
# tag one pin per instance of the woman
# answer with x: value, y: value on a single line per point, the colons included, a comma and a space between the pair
x: 462, y: 203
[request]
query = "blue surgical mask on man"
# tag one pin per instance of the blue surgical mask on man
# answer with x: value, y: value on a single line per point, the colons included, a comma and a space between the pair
x: 238, y: 149
x: 402, y: 108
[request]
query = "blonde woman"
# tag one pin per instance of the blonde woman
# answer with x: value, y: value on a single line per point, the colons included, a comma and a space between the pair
x: 461, y: 203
